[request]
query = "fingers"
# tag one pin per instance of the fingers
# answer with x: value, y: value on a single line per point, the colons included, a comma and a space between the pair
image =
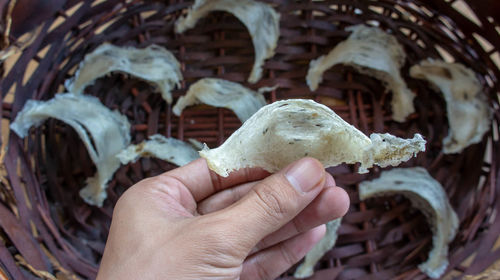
x: 203, y: 182
x: 270, y: 263
x: 229, y: 196
x: 225, y: 198
x: 274, y: 202
x: 330, y: 204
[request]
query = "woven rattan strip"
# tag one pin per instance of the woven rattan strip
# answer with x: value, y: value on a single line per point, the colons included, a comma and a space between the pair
x: 47, y: 230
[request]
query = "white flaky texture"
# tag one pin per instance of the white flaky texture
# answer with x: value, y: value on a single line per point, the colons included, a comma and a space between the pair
x: 427, y: 195
x: 104, y: 133
x: 221, y: 93
x: 153, y: 64
x: 285, y: 131
x: 469, y: 115
x: 261, y: 20
x: 306, y: 269
x: 168, y: 149
x: 373, y: 52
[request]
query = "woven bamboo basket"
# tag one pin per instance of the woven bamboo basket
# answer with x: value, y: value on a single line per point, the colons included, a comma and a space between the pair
x: 48, y: 232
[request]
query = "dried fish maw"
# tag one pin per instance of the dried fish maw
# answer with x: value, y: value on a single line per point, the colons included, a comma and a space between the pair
x: 261, y: 20
x: 469, y: 115
x: 427, y: 195
x: 168, y: 149
x: 288, y: 130
x: 153, y: 64
x: 104, y: 133
x: 373, y: 52
x: 306, y: 269
x: 221, y: 93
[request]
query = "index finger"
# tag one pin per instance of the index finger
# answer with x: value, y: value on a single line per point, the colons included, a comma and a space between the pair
x: 203, y: 182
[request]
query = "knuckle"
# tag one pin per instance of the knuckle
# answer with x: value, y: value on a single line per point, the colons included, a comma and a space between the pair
x: 271, y: 201
x: 161, y: 185
x: 288, y: 255
x: 123, y: 206
x: 263, y: 244
x: 297, y: 225
x: 234, y: 195
x: 147, y: 182
x: 161, y: 181
x: 129, y: 195
x: 139, y: 188
x: 262, y: 271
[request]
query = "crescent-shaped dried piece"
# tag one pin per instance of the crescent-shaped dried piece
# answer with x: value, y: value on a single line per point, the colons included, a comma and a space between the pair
x: 153, y: 64
x: 469, y: 115
x: 306, y: 268
x: 373, y: 52
x: 261, y: 20
x: 427, y: 195
x: 221, y: 93
x: 196, y: 144
x: 104, y: 132
x: 168, y: 149
x: 288, y: 130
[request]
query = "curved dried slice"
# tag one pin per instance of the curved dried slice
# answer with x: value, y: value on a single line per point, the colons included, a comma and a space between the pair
x: 288, y: 130
x: 306, y: 269
x: 104, y: 133
x: 153, y: 64
x: 373, y: 52
x: 168, y: 149
x: 261, y: 20
x: 221, y: 93
x: 469, y: 115
x: 427, y: 195
x: 196, y: 144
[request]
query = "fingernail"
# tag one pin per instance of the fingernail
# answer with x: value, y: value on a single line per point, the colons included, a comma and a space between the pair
x: 305, y: 174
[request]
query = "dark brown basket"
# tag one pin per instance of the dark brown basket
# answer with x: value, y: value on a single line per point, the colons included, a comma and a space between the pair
x: 47, y: 230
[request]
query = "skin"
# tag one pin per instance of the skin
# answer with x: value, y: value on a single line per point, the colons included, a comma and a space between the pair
x: 189, y: 223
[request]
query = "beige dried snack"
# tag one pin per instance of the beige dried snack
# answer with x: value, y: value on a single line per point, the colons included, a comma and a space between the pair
x: 288, y: 130
x: 261, y: 20
x: 469, y: 115
x: 168, y: 149
x: 427, y: 195
x: 306, y: 268
x: 373, y: 52
x: 221, y: 93
x: 104, y: 133
x: 153, y: 64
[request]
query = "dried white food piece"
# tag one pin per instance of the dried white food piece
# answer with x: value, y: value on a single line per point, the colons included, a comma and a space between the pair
x: 373, y: 52
x: 427, y: 195
x: 104, y: 132
x: 196, y: 144
x: 261, y: 20
x: 288, y: 130
x: 153, y: 64
x: 168, y: 149
x: 221, y: 93
x: 469, y: 115
x: 306, y: 269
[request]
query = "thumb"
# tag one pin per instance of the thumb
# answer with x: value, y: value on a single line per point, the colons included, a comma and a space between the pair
x: 275, y: 201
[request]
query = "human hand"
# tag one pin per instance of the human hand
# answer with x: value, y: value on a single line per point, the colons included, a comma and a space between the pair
x: 190, y: 223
